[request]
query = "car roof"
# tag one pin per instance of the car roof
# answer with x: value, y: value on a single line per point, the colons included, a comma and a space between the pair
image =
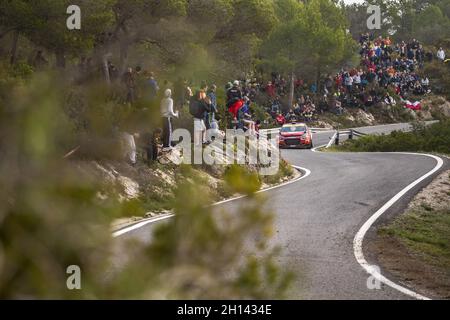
x: 287, y: 125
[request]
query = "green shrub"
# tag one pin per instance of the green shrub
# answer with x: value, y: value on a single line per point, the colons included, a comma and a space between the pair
x: 433, y: 138
x: 439, y: 75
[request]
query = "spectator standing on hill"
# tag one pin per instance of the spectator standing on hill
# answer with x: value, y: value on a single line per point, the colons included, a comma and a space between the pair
x: 270, y: 89
x: 129, y: 80
x: 402, y: 49
x: 140, y: 81
x: 301, y: 101
x: 200, y: 104
x: 210, y: 115
x: 420, y: 54
x: 296, y: 108
x: 128, y: 147
x: 425, y: 84
x: 167, y: 114
x: 187, y: 92
x: 183, y: 93
x: 253, y: 92
x: 113, y: 72
x: 153, y: 145
x: 276, y: 106
x: 357, y: 80
x: 234, y: 100
x: 441, y: 54
x: 348, y: 81
x: 152, y: 87
x: 411, y: 55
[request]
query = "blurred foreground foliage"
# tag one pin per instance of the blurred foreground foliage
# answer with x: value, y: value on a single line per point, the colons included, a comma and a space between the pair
x: 51, y: 217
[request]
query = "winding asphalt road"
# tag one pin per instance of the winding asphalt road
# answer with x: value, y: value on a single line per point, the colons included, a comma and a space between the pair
x: 317, y: 217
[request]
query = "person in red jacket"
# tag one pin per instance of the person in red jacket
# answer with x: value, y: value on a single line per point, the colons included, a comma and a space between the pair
x: 234, y: 100
x: 281, y: 120
x: 270, y: 89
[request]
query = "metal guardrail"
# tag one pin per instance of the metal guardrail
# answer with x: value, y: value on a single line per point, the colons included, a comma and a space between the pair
x: 359, y: 133
x: 334, y: 139
x: 275, y: 130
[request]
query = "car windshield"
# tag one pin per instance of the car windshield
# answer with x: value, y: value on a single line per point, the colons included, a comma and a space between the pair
x: 293, y: 129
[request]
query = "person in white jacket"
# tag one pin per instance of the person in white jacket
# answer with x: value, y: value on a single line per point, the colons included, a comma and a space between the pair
x: 167, y: 114
x: 441, y: 54
x: 128, y: 147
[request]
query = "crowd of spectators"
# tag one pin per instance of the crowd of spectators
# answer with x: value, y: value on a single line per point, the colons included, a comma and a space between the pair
x: 387, y: 75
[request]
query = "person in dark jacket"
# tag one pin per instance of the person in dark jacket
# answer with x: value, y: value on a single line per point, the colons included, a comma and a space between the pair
x: 129, y: 79
x: 210, y: 115
x: 153, y: 145
x: 202, y: 105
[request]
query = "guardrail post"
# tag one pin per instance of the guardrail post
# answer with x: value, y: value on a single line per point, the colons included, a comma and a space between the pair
x: 336, y: 141
x: 350, y: 136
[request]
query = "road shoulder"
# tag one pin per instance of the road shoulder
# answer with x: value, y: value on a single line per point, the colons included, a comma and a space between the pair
x: 124, y: 223
x: 414, y: 248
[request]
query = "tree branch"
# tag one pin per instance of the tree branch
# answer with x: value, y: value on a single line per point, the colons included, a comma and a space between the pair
x: 159, y: 45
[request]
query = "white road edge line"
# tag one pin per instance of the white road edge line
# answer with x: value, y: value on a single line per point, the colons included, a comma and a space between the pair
x: 139, y: 225
x: 359, y: 237
x: 316, y: 149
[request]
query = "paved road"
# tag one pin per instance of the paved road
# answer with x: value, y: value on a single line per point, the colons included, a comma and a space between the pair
x: 318, y: 217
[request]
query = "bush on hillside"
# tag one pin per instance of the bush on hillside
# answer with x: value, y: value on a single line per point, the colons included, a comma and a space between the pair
x: 433, y: 138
